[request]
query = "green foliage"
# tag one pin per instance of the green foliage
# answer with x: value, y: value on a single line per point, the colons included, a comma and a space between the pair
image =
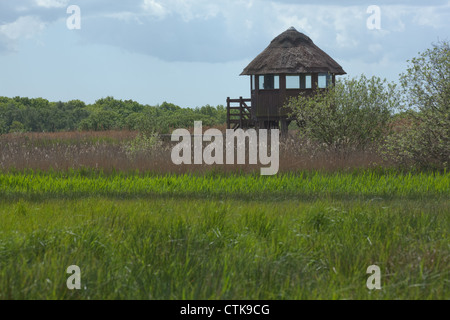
x: 40, y: 115
x: 134, y: 121
x: 362, y: 184
x: 167, y: 117
x: 143, y: 143
x: 16, y: 127
x: 100, y: 120
x: 3, y: 127
x: 351, y: 115
x: 424, y: 139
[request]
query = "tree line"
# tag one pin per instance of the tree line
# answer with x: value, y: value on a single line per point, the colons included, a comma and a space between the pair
x: 21, y: 114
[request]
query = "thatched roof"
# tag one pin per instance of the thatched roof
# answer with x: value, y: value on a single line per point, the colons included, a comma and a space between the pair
x: 292, y: 52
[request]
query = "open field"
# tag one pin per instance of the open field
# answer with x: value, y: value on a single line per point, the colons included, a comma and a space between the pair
x: 309, y: 235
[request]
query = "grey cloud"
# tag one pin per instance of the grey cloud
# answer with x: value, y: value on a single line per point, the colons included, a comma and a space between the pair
x: 221, y: 38
x: 10, y: 11
x: 198, y: 40
x: 211, y: 40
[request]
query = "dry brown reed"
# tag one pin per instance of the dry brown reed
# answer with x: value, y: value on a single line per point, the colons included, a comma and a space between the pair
x: 106, y: 151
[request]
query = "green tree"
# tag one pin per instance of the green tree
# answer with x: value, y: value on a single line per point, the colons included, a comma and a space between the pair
x: 101, y: 120
x: 424, y: 139
x: 16, y: 127
x: 354, y: 114
x: 3, y: 127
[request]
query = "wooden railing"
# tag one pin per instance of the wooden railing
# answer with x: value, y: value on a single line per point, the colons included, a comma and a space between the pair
x: 239, y: 116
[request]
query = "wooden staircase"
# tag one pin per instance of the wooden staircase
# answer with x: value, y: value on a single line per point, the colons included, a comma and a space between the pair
x: 239, y: 113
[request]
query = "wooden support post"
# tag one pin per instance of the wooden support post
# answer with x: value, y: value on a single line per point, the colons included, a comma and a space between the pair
x: 285, y: 128
x: 241, y: 105
x: 282, y: 99
x: 228, y: 114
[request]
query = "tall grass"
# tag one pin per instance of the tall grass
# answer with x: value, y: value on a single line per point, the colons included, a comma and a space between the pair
x: 142, y: 228
x: 360, y: 184
x: 213, y: 249
x: 110, y: 151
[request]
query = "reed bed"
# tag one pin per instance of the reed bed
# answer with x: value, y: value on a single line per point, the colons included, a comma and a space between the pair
x: 386, y: 184
x: 140, y: 227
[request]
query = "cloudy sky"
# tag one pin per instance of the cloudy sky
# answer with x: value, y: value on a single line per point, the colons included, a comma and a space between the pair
x: 191, y: 52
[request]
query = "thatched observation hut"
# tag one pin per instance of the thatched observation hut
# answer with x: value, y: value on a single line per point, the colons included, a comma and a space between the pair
x: 291, y: 65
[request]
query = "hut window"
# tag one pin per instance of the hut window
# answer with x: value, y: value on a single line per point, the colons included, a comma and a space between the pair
x: 324, y: 80
x: 269, y: 82
x: 277, y: 82
x: 302, y: 81
x: 253, y: 83
x: 292, y: 82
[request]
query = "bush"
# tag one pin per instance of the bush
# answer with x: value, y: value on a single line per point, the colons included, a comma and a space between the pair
x: 424, y: 140
x: 144, y: 143
x: 352, y: 115
x: 17, y: 127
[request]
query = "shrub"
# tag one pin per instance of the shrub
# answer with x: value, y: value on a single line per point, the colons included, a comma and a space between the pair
x: 143, y: 143
x: 16, y: 127
x: 424, y: 140
x: 351, y: 115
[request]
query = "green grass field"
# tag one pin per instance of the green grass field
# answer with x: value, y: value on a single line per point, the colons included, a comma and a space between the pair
x: 309, y: 235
